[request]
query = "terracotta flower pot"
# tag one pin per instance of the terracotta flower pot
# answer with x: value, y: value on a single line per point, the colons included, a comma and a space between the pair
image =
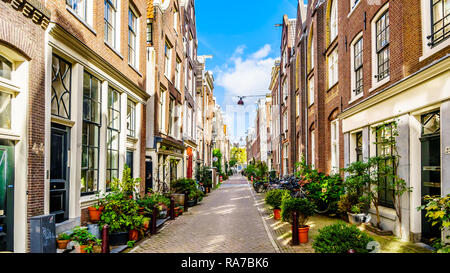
x: 277, y: 214
x: 134, y: 235
x: 62, y: 244
x: 303, y: 234
x: 146, y: 224
x: 94, y: 214
x: 83, y: 249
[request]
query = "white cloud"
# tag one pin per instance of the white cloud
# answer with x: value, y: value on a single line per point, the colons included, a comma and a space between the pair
x: 246, y: 75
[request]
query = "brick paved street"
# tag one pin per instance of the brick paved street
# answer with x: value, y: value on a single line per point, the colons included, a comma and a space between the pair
x: 227, y: 221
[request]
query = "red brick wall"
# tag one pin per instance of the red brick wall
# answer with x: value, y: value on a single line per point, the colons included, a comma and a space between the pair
x: 13, y: 25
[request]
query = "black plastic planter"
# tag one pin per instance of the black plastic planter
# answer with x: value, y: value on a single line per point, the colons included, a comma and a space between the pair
x: 118, y: 239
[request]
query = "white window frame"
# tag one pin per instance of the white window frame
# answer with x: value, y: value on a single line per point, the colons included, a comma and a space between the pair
x: 334, y: 146
x: 426, y: 17
x: 87, y: 17
x: 135, y: 61
x: 375, y: 82
x: 333, y: 68
x: 311, y: 92
x: 333, y: 21
x: 178, y: 74
x: 115, y: 24
x: 175, y: 19
x: 167, y: 60
x: 352, y: 67
x: 162, y: 110
x: 313, y: 149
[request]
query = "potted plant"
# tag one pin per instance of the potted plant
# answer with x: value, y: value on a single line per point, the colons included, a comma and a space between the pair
x: 274, y: 198
x: 136, y: 226
x: 96, y: 211
x: 355, y: 207
x: 304, y: 208
x: 84, y: 239
x: 62, y: 240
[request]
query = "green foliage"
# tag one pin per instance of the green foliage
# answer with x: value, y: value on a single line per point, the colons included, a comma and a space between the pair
x: 131, y: 244
x: 82, y: 236
x: 239, y: 155
x: 150, y: 200
x: 203, y: 175
x: 182, y: 185
x: 274, y: 198
x: 437, y: 210
x: 302, y: 206
x: 64, y: 236
x: 218, y: 164
x: 121, y: 213
x: 321, y: 188
x: 128, y: 184
x: 340, y: 238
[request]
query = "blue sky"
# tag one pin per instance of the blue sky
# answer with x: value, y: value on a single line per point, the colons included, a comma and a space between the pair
x: 242, y: 37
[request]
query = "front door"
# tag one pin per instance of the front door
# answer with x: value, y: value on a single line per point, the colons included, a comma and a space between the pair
x: 59, y: 173
x: 431, y: 168
x: 6, y: 195
x: 148, y: 175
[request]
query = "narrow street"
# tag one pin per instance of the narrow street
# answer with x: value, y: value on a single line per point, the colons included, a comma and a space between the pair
x: 226, y: 221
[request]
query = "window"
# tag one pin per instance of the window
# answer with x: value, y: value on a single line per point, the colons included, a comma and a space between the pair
x: 431, y: 124
x: 175, y: 19
x: 359, y: 146
x: 167, y: 60
x: 297, y: 105
x: 177, y: 74
x: 358, y: 67
x: 285, y: 122
x: 333, y: 21
x: 440, y: 14
x: 131, y: 118
x: 311, y: 91
x: 110, y: 22
x: 285, y: 91
x: 132, y: 31
x: 297, y: 72
x: 385, y: 194
x: 313, y: 149
x: 61, y: 87
x: 112, y: 160
x: 382, y: 46
x: 335, y: 146
x: 5, y: 110
x: 149, y: 32
x: 5, y: 68
x: 353, y: 3
x: 162, y: 111
x: 191, y: 45
x: 311, y: 56
x: 333, y: 72
x: 171, y: 115
x: 90, y: 134
x: 286, y: 159
x: 80, y: 7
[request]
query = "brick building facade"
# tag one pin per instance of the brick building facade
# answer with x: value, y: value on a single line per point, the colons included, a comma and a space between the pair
x: 22, y: 136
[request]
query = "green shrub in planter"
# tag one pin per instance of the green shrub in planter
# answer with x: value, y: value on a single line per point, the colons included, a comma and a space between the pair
x: 340, y: 238
x: 304, y: 207
x: 274, y: 198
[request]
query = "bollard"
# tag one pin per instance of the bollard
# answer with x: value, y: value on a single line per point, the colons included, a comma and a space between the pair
x: 105, y: 239
x: 295, y: 239
x: 172, y: 208
x: 186, y: 198
x: 154, y: 218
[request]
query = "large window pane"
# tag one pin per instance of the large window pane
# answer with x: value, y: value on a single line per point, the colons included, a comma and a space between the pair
x: 61, y: 87
x: 5, y: 110
x: 5, y: 68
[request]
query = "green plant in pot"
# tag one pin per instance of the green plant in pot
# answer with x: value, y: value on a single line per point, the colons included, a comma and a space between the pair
x: 84, y: 238
x: 274, y: 198
x: 63, y: 240
x: 304, y: 208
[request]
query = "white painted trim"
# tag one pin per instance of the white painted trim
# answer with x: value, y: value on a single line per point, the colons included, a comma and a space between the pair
x: 427, y: 51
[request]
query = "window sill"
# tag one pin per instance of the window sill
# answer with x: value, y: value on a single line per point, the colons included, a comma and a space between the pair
x: 135, y: 69
x: 114, y: 50
x: 430, y: 51
x: 385, y: 212
x: 333, y: 86
x: 71, y: 11
x: 9, y: 135
x: 355, y: 98
x: 376, y: 85
x: 132, y: 139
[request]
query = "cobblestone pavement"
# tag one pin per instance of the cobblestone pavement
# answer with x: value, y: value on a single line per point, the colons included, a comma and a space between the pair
x: 226, y: 221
